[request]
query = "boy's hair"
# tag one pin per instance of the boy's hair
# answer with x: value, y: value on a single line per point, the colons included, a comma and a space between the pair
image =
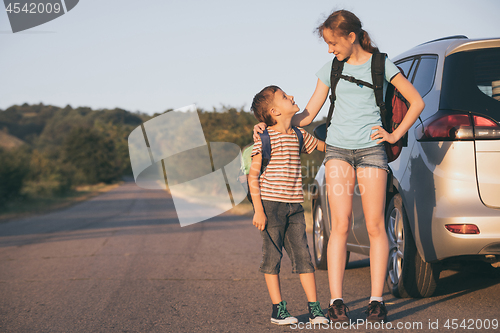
x: 262, y: 103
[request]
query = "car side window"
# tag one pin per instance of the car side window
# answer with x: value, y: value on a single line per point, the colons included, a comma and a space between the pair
x: 425, y: 73
x: 406, y: 66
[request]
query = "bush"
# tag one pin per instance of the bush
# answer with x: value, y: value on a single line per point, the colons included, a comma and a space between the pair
x: 47, y: 176
x: 14, y: 167
x: 92, y: 155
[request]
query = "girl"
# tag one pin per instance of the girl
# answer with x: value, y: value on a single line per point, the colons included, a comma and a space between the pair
x: 354, y: 149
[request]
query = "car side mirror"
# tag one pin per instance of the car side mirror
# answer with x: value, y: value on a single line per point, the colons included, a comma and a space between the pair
x: 320, y: 132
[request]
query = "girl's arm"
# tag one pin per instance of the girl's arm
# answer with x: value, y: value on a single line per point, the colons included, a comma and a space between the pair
x: 313, y: 106
x: 416, y: 106
x: 305, y: 117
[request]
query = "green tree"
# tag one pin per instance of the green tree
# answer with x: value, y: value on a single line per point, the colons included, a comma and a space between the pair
x: 14, y: 167
x: 92, y: 155
x: 47, y: 177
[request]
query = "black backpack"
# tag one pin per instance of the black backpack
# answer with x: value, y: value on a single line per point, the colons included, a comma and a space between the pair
x: 266, y: 152
x: 390, y: 119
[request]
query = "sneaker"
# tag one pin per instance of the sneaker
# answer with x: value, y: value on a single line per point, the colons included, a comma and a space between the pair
x: 281, y: 316
x: 337, y: 311
x: 316, y: 315
x: 376, y: 312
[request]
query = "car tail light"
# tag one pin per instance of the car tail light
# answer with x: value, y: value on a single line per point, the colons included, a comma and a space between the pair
x: 463, y: 228
x: 458, y: 126
x: 485, y: 128
x: 453, y: 126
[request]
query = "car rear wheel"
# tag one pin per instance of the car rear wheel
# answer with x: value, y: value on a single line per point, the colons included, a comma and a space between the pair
x: 408, y: 275
x: 320, y: 239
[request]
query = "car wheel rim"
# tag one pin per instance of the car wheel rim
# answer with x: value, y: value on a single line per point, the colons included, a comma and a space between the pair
x: 318, y: 232
x: 396, y: 244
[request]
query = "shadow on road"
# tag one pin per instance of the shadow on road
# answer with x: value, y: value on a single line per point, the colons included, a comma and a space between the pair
x: 455, y: 285
x: 452, y: 285
x: 358, y: 263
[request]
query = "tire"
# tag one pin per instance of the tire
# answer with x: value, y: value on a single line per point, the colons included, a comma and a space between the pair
x: 408, y: 275
x: 320, y: 238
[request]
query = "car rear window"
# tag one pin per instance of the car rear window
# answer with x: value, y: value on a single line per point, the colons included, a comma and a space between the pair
x: 471, y: 82
x: 487, y: 75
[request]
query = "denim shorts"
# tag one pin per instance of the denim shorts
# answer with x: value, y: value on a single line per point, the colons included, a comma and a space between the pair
x: 371, y: 157
x: 286, y: 227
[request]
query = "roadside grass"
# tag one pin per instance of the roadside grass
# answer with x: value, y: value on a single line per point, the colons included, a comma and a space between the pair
x: 23, y: 207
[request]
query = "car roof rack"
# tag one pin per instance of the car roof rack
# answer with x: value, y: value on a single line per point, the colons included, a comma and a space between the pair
x: 446, y: 38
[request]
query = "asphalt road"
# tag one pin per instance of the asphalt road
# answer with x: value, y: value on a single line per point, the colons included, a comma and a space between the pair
x: 120, y: 262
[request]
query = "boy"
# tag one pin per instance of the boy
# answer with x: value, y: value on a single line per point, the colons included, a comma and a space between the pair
x: 276, y: 197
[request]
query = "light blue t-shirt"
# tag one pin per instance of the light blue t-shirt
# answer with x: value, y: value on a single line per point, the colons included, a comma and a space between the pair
x: 356, y: 110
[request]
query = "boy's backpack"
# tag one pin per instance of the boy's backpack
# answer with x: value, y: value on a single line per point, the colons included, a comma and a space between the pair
x: 266, y: 152
x: 392, y: 109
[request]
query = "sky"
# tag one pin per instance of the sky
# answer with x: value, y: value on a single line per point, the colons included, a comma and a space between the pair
x: 154, y: 55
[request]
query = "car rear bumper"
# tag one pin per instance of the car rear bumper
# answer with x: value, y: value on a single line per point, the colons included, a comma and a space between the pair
x: 448, y: 244
x: 440, y: 187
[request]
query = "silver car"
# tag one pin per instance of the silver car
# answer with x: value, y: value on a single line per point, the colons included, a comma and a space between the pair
x: 443, y: 198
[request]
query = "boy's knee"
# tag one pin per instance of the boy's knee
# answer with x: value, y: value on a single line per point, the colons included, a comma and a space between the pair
x: 269, y: 268
x: 304, y: 269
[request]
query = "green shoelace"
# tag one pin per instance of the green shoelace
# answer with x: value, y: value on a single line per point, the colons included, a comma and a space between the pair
x: 282, y: 311
x: 316, y: 310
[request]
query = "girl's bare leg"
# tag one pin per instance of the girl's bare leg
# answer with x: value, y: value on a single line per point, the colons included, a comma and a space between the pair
x: 340, y: 179
x: 372, y: 186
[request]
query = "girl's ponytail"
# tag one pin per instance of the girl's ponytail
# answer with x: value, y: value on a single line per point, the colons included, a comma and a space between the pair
x: 366, y: 42
x: 345, y: 22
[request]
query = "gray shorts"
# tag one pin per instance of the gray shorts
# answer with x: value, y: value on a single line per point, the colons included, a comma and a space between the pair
x: 286, y: 227
x: 371, y: 157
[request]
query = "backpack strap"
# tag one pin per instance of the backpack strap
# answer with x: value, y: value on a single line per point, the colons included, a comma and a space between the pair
x: 266, y: 146
x: 266, y: 149
x: 378, y: 70
x: 352, y: 79
x: 300, y: 137
x: 337, y: 67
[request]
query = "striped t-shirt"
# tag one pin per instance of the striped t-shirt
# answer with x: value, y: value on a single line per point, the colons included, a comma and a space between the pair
x: 282, y: 179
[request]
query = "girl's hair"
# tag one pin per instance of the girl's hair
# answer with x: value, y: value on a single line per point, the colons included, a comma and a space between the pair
x: 344, y: 22
x: 261, y: 104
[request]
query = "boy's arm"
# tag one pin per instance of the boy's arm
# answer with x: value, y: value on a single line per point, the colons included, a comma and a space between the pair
x: 259, y: 217
x: 311, y: 143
